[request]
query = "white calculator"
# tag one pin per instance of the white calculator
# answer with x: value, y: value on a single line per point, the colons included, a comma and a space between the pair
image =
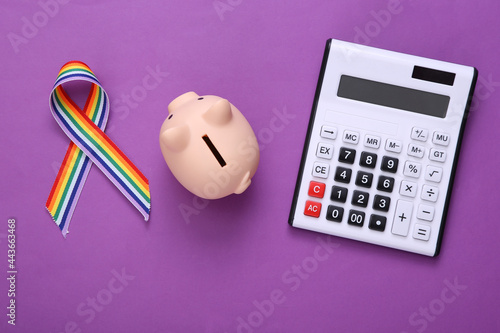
x: 382, y: 147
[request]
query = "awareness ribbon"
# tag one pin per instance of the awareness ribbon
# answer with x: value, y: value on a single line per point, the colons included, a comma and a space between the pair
x: 89, y: 145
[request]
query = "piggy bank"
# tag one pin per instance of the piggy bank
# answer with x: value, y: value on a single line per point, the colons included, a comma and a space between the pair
x: 209, y: 146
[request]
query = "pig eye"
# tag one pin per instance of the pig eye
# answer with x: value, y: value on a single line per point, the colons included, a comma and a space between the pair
x: 170, y: 116
x: 200, y: 98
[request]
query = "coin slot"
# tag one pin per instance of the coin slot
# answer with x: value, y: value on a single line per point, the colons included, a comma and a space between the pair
x: 214, y: 150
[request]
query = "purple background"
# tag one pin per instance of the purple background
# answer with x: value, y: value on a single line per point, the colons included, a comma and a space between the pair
x: 212, y: 272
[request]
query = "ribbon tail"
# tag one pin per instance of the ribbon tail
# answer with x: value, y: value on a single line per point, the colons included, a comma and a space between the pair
x: 67, y: 187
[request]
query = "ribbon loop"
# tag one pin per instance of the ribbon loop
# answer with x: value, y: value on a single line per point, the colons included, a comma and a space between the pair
x: 89, y: 144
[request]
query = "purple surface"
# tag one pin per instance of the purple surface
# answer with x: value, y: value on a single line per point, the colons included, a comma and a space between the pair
x: 220, y: 269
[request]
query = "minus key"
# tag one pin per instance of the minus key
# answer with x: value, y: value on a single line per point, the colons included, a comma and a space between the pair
x: 425, y: 212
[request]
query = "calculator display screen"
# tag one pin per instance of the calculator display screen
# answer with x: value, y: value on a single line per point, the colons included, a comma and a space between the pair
x: 393, y: 96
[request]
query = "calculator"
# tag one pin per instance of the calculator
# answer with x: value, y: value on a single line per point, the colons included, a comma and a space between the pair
x: 382, y: 147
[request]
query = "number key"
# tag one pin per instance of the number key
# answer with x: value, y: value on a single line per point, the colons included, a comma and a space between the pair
x: 381, y: 203
x: 368, y: 160
x: 389, y: 164
x: 338, y: 194
x: 334, y: 213
x: 356, y: 218
x: 364, y: 179
x: 347, y: 155
x: 360, y: 198
x: 385, y: 184
x: 343, y: 175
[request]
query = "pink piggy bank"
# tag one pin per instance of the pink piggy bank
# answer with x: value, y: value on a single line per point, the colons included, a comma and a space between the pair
x: 209, y: 146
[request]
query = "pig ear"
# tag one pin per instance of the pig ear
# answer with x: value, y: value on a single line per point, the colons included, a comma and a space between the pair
x: 219, y: 114
x: 181, y: 100
x: 176, y: 138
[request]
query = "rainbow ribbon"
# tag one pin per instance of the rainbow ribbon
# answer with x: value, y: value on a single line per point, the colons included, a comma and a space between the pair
x: 89, y: 145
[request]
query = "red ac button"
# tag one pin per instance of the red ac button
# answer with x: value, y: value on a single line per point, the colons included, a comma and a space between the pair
x: 316, y: 189
x: 312, y: 208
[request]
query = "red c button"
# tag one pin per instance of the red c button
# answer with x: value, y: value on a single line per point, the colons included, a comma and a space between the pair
x: 316, y: 189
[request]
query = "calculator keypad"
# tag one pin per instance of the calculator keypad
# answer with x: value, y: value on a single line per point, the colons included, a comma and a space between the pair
x: 408, y: 188
x: 316, y: 189
x: 339, y: 194
x: 377, y: 222
x: 381, y: 203
x: 419, y: 134
x: 368, y: 160
x: 335, y: 213
x: 321, y: 170
x: 364, y: 179
x: 356, y: 218
x: 360, y: 198
x: 328, y: 132
x: 385, y: 184
x: 379, y: 182
x: 324, y: 151
x: 343, y: 175
x: 347, y: 155
x: 312, y: 208
x: 394, y: 146
x: 389, y: 164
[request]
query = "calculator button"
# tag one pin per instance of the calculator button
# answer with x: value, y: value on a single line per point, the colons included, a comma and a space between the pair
x: 429, y: 193
x: 324, y: 150
x: 441, y: 138
x: 347, y: 155
x: 351, y: 137
x: 316, y: 189
x: 328, y: 132
x: 389, y: 164
x: 312, y: 208
x: 334, y: 213
x: 402, y: 217
x: 408, y: 189
x: 320, y: 170
x: 338, y: 194
x: 368, y: 160
x: 419, y: 134
x: 437, y: 155
x: 416, y: 150
x: 343, y: 175
x: 372, y: 141
x: 425, y: 212
x: 364, y: 179
x: 422, y: 232
x: 377, y: 222
x: 360, y: 198
x: 381, y: 203
x: 394, y: 146
x: 433, y: 173
x: 356, y: 218
x: 412, y: 169
x: 385, y: 184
